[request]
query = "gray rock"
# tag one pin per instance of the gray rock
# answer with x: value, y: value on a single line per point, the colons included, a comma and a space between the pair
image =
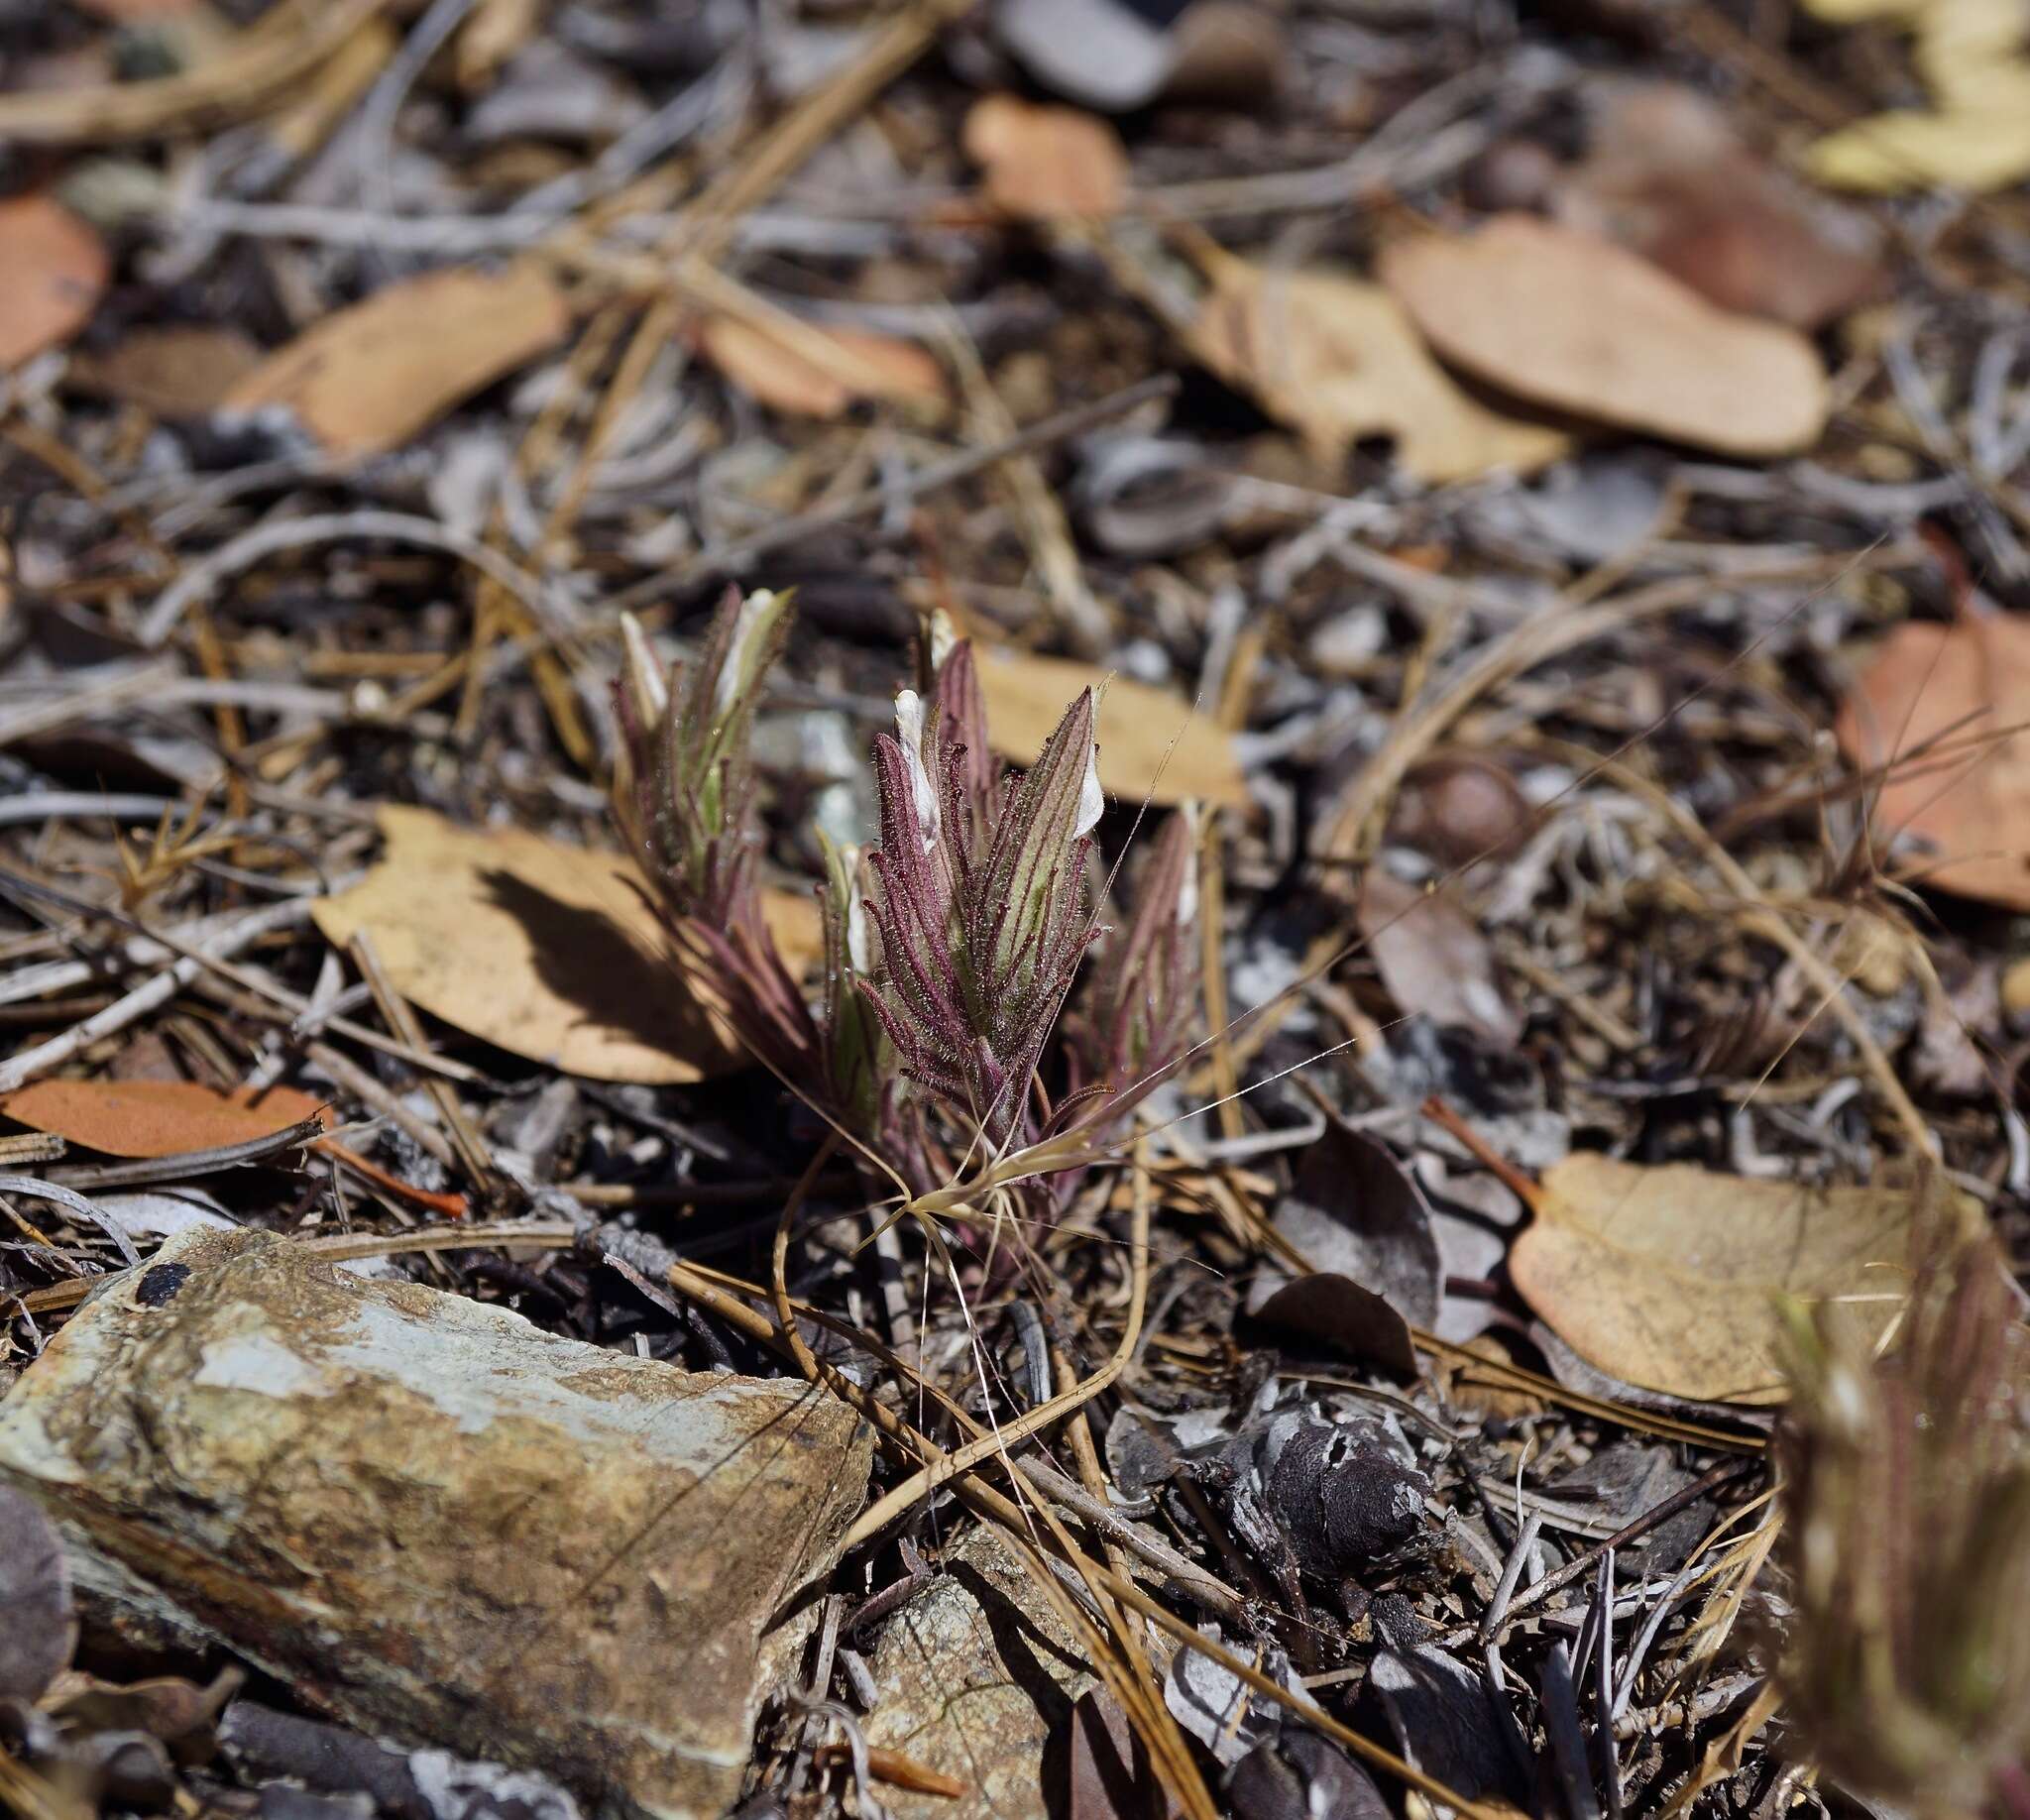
x: 433, y: 1520
x: 975, y: 1673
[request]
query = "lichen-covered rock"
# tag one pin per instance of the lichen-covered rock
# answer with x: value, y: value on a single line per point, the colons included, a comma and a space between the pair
x: 975, y: 1675
x: 435, y: 1521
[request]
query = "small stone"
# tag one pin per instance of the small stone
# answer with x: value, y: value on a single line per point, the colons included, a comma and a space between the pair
x: 435, y: 1521
x: 975, y: 1673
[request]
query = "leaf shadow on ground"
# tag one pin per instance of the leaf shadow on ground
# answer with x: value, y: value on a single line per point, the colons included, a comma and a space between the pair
x: 588, y: 961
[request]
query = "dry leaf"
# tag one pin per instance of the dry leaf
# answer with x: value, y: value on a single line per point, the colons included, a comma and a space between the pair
x: 1433, y: 959
x: 185, y: 370
x: 156, y: 1118
x: 545, y: 950
x: 1977, y: 149
x: 1670, y: 1277
x: 1043, y: 163
x: 1962, y: 686
x: 1337, y: 360
x: 1974, y: 56
x: 367, y: 379
x: 1577, y: 324
x: 1666, y: 177
x: 857, y: 365
x: 1026, y: 698
x: 56, y: 269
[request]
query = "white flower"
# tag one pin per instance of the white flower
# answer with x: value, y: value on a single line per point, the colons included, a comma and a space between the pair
x: 909, y: 732
x: 1187, y: 887
x: 1092, y: 798
x: 943, y: 635
x: 646, y: 688
x: 859, y: 929
x: 757, y: 613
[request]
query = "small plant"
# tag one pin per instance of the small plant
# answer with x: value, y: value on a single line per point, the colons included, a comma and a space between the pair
x: 950, y: 949
x: 1908, y: 1525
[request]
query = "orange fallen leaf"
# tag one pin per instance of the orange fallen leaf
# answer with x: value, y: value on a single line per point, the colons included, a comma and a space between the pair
x: 367, y: 379
x: 156, y: 1118
x: 1935, y: 703
x: 1574, y: 324
x: 1046, y: 163
x: 56, y: 270
x: 816, y: 371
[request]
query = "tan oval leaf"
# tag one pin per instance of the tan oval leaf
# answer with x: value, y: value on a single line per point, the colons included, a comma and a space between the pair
x: 818, y: 373
x: 1574, y: 324
x: 56, y: 270
x: 1337, y: 360
x: 543, y: 950
x: 1670, y: 1278
x: 1044, y: 164
x: 367, y: 379
x: 1026, y: 698
x: 157, y: 1119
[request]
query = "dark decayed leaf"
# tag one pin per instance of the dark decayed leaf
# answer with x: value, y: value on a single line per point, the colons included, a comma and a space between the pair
x: 1355, y: 1213
x: 1444, y: 1720
x: 1336, y: 1311
x: 1302, y: 1776
x: 38, y: 1627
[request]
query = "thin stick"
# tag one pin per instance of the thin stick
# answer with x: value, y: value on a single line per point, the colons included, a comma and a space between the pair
x: 153, y: 993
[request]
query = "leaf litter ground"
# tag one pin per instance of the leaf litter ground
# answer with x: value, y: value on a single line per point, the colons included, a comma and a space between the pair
x: 1610, y: 841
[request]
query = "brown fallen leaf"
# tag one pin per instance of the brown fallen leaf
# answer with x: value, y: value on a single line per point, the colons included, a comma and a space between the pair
x: 1026, y: 697
x: 1666, y: 177
x: 1433, y: 959
x: 783, y: 371
x: 1670, y: 1277
x: 1337, y: 360
x: 545, y: 950
x: 367, y: 379
x: 55, y: 271
x: 1574, y: 324
x: 182, y: 370
x: 1966, y: 805
x: 157, y: 1119
x: 1046, y: 163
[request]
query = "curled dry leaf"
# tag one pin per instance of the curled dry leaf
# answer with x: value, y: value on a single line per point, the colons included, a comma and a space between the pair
x: 1043, y: 163
x: 1150, y: 743
x: 1577, y: 324
x: 157, y: 1119
x: 367, y: 379
x: 545, y: 950
x: 1337, y: 360
x: 1668, y: 176
x: 1433, y: 959
x: 1936, y: 704
x: 812, y: 372
x: 56, y: 269
x: 1670, y: 1277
